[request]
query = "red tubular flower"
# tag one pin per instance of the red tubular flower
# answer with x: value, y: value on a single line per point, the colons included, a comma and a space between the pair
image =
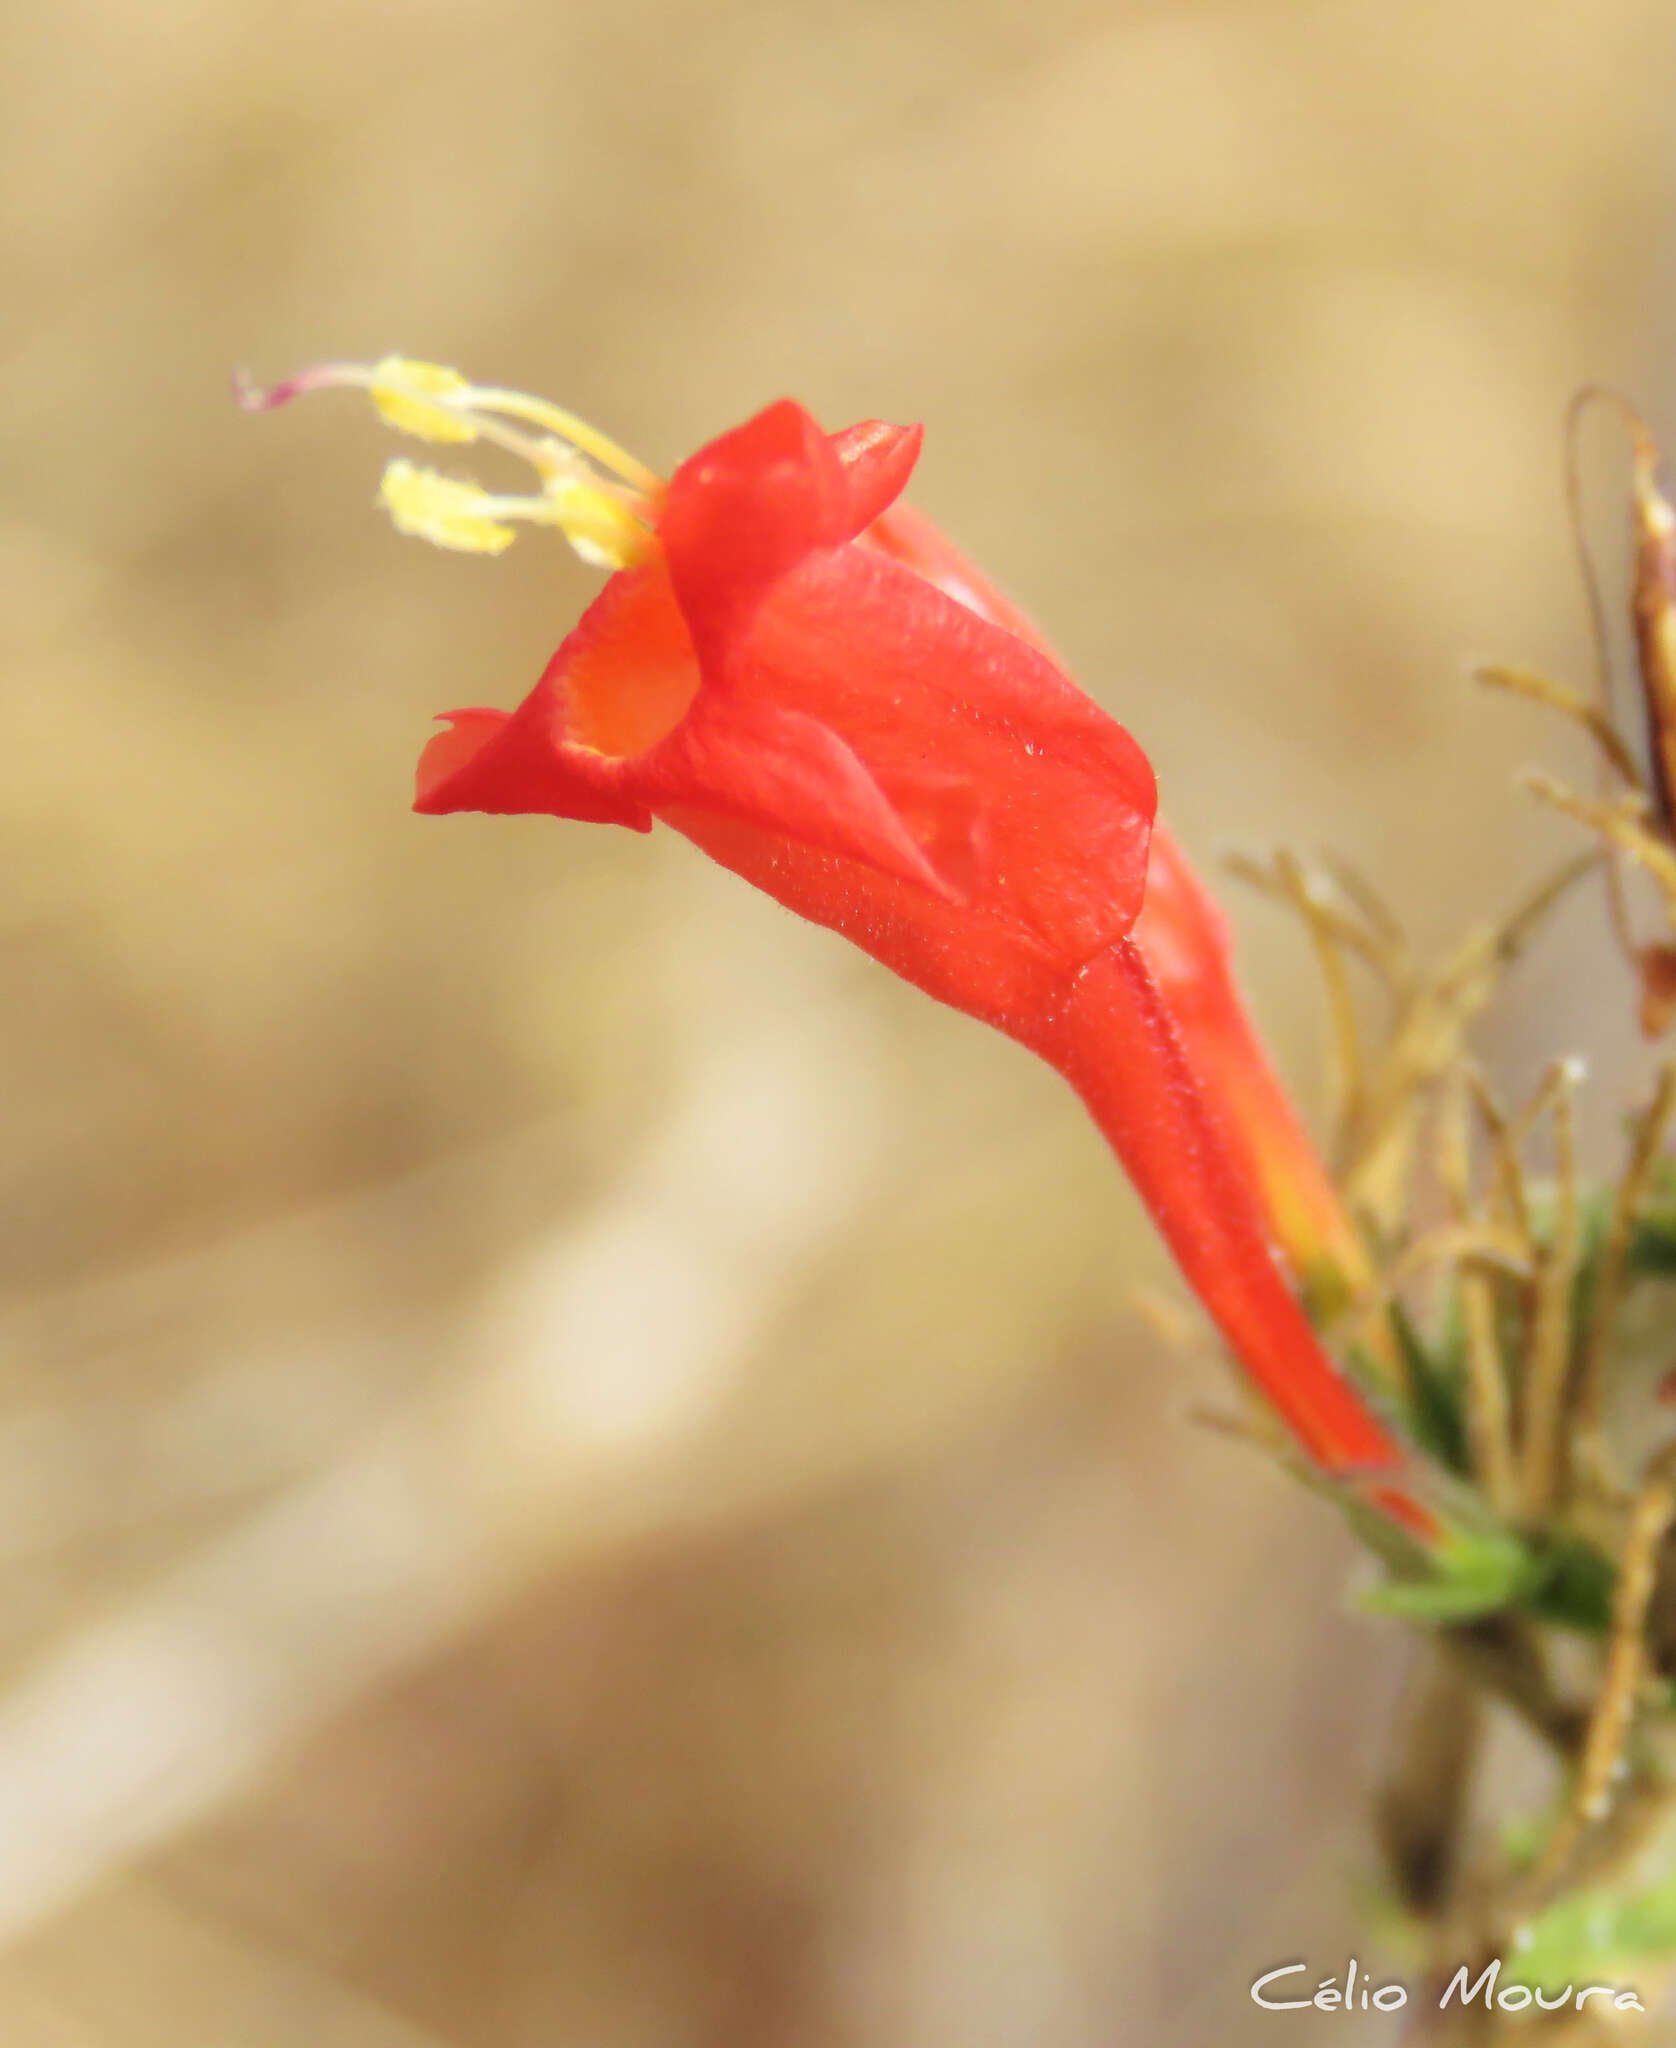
x: 884, y: 759
x: 1188, y: 948
x: 816, y: 690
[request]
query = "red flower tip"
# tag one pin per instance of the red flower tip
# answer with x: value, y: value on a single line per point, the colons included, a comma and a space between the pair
x: 744, y: 511
x: 809, y: 683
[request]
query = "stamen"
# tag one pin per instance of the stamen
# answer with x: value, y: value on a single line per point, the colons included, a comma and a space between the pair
x: 445, y: 510
x: 517, y: 405
x: 451, y: 512
x: 600, y: 498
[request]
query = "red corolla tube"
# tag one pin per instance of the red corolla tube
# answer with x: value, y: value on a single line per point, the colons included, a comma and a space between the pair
x: 891, y: 753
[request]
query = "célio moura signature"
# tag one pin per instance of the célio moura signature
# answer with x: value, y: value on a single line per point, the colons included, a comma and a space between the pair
x: 1359, y: 1994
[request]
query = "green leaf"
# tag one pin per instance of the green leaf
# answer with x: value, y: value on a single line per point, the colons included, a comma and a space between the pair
x: 1474, y: 1573
x: 1435, y: 1412
x: 1574, y: 1584
x: 1563, y: 1580
x: 1596, y: 1936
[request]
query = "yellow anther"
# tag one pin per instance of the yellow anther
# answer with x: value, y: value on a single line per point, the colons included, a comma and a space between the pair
x: 404, y: 393
x: 601, y: 499
x: 602, y: 529
x: 451, y: 512
x: 444, y: 510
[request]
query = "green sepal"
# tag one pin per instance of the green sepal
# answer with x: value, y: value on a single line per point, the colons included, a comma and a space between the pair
x: 1471, y: 1573
x: 1564, y: 1580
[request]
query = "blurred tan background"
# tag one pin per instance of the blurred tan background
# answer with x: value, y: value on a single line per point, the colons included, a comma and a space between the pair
x: 577, y: 1469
